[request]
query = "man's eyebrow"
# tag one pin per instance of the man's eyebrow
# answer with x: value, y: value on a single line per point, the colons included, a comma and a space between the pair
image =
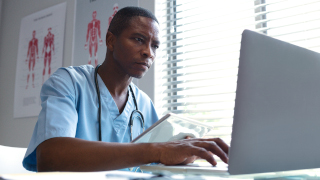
x: 156, y: 41
x: 139, y: 34
x: 145, y: 37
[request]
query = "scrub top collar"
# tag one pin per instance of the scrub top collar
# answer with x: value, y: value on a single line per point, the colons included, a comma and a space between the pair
x: 120, y: 121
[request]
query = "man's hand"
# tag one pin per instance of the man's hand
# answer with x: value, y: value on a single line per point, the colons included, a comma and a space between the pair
x: 187, y: 150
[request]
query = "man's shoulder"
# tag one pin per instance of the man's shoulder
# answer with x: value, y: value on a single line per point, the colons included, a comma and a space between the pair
x: 75, y: 72
x: 71, y: 78
x: 86, y: 67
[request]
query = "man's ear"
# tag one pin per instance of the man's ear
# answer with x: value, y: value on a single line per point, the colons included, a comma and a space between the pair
x: 110, y: 40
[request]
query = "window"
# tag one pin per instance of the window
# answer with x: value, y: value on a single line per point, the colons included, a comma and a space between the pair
x: 196, y: 68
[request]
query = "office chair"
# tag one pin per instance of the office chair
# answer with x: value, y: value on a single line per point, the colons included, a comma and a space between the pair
x: 11, y: 160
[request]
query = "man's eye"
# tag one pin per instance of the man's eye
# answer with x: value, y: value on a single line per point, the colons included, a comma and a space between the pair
x: 139, y: 39
x: 156, y: 46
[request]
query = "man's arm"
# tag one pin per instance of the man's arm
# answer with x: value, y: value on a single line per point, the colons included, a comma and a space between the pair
x: 72, y: 154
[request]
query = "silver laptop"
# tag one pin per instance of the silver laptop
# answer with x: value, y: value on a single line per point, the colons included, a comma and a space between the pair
x: 277, y: 110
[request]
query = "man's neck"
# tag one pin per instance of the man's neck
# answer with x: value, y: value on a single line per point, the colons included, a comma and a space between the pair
x: 116, y: 83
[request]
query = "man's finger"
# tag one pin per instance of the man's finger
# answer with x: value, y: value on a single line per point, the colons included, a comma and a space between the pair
x: 224, y: 146
x: 213, y: 147
x: 217, y: 150
x: 204, y: 154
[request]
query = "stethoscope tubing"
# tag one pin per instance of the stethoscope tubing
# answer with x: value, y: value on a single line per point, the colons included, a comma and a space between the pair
x: 99, y: 104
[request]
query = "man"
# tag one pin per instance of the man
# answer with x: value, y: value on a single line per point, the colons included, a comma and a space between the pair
x: 48, y: 47
x: 66, y: 134
x: 31, y: 56
x: 93, y: 35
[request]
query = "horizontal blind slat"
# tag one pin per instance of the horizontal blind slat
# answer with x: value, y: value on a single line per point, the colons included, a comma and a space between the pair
x: 202, y: 46
x: 197, y: 80
x: 187, y: 96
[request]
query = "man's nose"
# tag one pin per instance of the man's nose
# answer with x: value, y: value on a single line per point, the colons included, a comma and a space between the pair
x: 148, y: 51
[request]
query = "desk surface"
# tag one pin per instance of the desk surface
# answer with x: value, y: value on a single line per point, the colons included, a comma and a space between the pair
x: 76, y: 175
x: 221, y: 170
x: 310, y: 174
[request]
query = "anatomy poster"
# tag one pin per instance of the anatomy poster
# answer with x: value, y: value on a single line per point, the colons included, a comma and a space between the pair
x: 40, y: 53
x: 92, y: 20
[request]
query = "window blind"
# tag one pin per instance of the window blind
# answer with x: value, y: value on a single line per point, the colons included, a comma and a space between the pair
x: 197, y: 64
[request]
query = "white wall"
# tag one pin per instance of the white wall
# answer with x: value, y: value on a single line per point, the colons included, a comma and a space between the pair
x: 17, y: 132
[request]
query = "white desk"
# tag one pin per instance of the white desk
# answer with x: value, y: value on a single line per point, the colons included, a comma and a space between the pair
x: 311, y: 174
x: 116, y: 175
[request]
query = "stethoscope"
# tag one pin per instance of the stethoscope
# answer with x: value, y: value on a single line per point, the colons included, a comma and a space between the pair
x: 135, y: 114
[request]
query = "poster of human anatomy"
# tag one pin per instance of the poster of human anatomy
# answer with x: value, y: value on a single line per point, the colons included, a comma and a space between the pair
x: 40, y: 53
x: 92, y: 20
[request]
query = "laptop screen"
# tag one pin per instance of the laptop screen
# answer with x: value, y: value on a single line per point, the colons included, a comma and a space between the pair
x: 277, y: 108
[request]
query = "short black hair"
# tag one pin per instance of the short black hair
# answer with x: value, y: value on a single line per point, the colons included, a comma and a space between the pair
x: 122, y: 18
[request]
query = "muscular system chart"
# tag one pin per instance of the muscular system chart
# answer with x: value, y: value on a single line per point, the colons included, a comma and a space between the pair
x: 40, y: 53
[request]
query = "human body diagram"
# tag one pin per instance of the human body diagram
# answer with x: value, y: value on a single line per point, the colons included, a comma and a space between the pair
x: 31, y: 57
x: 47, y: 51
x: 93, y: 36
x: 115, y: 10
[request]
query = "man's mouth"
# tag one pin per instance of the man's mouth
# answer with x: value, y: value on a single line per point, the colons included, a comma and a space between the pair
x: 144, y: 63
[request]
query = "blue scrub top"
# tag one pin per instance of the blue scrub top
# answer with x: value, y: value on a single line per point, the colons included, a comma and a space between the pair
x: 70, y: 109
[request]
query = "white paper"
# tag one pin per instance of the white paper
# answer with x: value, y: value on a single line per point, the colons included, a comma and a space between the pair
x: 40, y: 54
x: 91, y: 22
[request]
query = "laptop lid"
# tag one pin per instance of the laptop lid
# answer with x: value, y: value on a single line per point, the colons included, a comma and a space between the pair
x: 277, y: 107
x: 277, y: 110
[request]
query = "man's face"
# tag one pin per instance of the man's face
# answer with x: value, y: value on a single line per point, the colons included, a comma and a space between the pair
x: 135, y: 48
